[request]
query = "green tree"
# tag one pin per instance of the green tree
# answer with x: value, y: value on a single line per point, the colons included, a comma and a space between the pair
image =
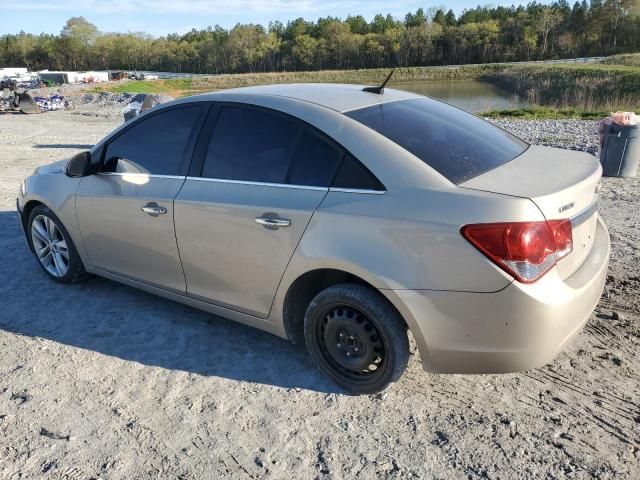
x: 450, y: 19
x: 381, y: 24
x: 79, y: 36
x: 482, y: 34
x: 415, y: 19
x: 305, y: 51
x: 358, y: 25
x: 548, y: 19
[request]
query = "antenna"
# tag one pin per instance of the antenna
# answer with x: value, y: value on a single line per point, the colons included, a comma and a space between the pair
x: 379, y: 90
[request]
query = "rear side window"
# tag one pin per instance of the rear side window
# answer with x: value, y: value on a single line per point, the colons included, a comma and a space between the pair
x: 457, y: 144
x: 250, y: 145
x: 354, y: 175
x: 154, y: 145
x: 315, y: 162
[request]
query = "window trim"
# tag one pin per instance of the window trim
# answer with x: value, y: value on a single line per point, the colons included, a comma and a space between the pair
x: 260, y: 184
x: 210, y: 123
x: 367, y: 191
x: 189, y: 149
x: 137, y: 174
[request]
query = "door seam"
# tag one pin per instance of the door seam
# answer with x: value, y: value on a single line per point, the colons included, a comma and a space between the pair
x: 294, y: 252
x: 75, y: 208
x: 175, y: 235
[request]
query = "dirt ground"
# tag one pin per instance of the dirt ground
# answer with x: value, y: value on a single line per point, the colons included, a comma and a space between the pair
x: 99, y: 380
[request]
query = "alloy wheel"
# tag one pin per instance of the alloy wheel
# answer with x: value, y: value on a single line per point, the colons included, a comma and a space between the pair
x: 50, y: 246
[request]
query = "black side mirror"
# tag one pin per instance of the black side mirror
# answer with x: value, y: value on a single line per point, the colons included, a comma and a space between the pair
x: 79, y: 165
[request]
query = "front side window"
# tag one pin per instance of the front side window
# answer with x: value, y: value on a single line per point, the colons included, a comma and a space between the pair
x: 154, y: 145
x: 455, y: 143
x: 251, y: 145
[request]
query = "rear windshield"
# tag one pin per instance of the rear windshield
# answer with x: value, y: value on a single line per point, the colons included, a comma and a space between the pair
x: 456, y: 143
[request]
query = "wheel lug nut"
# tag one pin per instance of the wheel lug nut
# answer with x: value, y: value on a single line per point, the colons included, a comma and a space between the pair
x: 339, y: 345
x: 348, y: 354
x: 356, y: 349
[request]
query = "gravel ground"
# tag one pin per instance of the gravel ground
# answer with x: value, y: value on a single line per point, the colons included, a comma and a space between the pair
x: 103, y: 105
x: 99, y: 380
x: 574, y: 134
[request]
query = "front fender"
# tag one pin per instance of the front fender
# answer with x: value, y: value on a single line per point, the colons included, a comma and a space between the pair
x: 57, y: 192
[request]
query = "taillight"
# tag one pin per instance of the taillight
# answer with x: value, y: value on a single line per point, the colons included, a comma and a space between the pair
x: 525, y: 250
x: 563, y: 237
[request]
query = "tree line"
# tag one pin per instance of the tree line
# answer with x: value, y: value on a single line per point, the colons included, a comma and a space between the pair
x: 425, y: 37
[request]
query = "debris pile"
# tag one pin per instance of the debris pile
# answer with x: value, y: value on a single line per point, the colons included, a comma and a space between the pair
x: 111, y: 105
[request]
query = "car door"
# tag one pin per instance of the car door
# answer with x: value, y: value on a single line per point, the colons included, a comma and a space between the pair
x: 240, y: 216
x: 125, y: 211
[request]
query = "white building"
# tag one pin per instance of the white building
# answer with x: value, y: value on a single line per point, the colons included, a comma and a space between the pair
x: 73, y: 77
x: 16, y: 73
x: 12, y: 71
x: 95, y: 77
x: 59, y: 76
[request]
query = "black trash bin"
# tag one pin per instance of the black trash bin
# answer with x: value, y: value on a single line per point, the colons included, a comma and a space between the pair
x: 620, y: 154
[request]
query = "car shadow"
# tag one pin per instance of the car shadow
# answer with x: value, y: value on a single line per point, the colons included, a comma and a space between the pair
x: 123, y: 322
x: 64, y: 145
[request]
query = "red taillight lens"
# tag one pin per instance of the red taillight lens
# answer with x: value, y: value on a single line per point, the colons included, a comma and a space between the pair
x: 526, y: 250
x: 563, y: 237
x: 530, y: 242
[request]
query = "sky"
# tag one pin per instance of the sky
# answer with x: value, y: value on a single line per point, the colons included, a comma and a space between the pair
x: 160, y: 17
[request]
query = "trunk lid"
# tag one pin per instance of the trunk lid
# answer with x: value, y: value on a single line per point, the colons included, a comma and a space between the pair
x: 562, y: 183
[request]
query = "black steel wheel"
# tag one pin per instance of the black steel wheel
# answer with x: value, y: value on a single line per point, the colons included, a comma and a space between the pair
x: 357, y: 338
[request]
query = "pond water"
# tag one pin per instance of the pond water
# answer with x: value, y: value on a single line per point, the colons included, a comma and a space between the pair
x: 471, y: 95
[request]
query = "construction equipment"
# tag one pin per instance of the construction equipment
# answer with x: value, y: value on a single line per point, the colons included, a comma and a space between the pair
x: 22, y: 102
x: 25, y: 103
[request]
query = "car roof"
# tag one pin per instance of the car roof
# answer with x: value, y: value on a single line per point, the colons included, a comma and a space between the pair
x: 336, y: 96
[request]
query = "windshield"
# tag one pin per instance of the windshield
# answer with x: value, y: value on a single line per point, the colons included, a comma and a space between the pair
x: 456, y: 143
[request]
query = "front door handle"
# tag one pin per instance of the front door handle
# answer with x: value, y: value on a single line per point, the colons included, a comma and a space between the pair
x: 273, y: 223
x: 154, y: 209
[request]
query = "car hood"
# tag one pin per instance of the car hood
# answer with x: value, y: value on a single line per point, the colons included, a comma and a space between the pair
x: 55, y: 167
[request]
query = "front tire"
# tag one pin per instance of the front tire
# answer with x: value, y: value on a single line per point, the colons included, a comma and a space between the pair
x: 53, y: 247
x: 357, y: 338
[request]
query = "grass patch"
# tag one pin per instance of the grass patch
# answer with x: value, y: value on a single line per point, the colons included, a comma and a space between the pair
x: 592, y: 87
x: 573, y: 90
x: 537, y: 112
x: 628, y: 59
x: 172, y: 87
x: 373, y: 76
x: 190, y: 86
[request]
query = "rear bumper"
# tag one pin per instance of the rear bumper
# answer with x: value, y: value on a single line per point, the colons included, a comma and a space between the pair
x: 517, y: 328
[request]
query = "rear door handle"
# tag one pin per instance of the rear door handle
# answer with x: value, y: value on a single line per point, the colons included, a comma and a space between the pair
x: 273, y: 222
x: 154, y: 209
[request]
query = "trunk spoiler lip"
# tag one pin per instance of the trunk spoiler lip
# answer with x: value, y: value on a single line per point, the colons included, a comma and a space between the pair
x: 585, y: 214
x: 529, y: 154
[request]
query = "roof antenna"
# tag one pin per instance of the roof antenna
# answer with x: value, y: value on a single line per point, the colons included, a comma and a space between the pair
x: 379, y: 90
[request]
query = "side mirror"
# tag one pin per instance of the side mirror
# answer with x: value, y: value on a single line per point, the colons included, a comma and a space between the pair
x: 79, y: 165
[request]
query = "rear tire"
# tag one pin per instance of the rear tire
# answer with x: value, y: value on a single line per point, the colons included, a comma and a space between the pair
x: 53, y: 247
x: 357, y: 338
